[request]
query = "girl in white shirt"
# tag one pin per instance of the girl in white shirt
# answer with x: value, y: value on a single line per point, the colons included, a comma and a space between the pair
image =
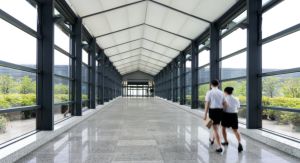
x: 230, y: 117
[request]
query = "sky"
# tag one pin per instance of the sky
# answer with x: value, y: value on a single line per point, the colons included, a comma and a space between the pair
x: 20, y: 48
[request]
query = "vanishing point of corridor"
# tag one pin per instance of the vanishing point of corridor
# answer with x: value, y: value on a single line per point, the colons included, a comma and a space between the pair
x: 147, y: 130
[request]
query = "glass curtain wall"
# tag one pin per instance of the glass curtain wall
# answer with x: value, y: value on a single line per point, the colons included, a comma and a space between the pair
x: 85, y: 69
x: 18, y: 70
x: 233, y: 59
x: 203, y: 71
x: 281, y: 69
x: 188, y: 78
x: 62, y: 71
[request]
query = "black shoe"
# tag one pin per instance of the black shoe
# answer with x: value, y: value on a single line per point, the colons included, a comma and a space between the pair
x: 225, y: 143
x: 240, y: 148
x: 220, y: 150
x: 211, y: 141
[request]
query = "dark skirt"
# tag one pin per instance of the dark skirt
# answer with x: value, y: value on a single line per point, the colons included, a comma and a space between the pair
x: 216, y: 115
x: 230, y: 120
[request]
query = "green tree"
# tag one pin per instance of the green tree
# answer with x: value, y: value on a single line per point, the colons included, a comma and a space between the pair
x: 291, y: 87
x: 61, y: 89
x: 27, y: 85
x: 7, y: 84
x: 270, y: 86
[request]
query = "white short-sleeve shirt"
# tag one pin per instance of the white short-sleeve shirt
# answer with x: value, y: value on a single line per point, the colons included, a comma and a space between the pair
x: 232, y: 104
x: 215, y: 97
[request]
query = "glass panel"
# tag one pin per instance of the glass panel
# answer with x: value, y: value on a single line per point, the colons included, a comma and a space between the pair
x: 85, y: 73
x: 284, y: 15
x: 234, y: 66
x: 61, y: 90
x: 15, y: 124
x: 233, y: 42
x: 204, y: 74
x: 61, y: 64
x: 62, y: 111
x: 202, y: 89
x: 84, y: 91
x: 282, y: 90
x: 282, y: 53
x: 85, y: 57
x: 188, y: 66
x: 17, y: 88
x: 240, y: 93
x: 239, y: 89
x: 188, y: 79
x: 21, y: 10
x: 287, y: 123
x: 61, y: 39
x: 234, y: 22
x: 188, y: 95
x: 17, y: 46
x: 203, y: 58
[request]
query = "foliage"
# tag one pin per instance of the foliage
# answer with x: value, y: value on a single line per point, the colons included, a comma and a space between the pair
x: 61, y: 89
x: 3, y: 122
x: 26, y: 85
x: 6, y: 84
x: 270, y: 86
x: 84, y: 97
x: 291, y: 87
x: 61, y: 98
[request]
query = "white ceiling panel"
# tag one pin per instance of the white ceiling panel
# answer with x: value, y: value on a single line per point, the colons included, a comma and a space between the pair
x: 124, y: 55
x: 155, y: 55
x: 109, y: 4
x: 143, y: 36
x: 82, y: 8
x: 179, y: 43
x: 105, y: 42
x: 98, y: 25
x: 130, y: 46
x: 206, y: 9
x: 128, y: 16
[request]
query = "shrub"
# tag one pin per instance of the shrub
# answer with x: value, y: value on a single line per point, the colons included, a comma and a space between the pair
x: 3, y: 122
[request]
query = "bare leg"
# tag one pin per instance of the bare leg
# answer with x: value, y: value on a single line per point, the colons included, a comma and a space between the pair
x: 216, y: 135
x: 237, y: 135
x: 224, y: 134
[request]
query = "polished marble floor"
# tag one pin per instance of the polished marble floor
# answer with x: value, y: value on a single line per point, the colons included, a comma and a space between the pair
x: 147, y: 130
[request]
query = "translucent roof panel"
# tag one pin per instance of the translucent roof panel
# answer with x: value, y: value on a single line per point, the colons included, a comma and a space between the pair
x: 120, y: 37
x: 207, y: 9
x: 147, y: 35
x: 174, y: 21
x: 124, y: 47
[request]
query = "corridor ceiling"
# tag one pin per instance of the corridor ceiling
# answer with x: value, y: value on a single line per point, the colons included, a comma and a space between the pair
x: 145, y: 35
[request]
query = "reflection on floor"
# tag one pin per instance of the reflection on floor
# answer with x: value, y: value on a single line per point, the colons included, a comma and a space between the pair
x: 147, y: 130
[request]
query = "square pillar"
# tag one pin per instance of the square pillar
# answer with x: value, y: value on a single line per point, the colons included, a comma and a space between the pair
x: 194, y: 75
x: 76, y: 64
x: 254, y: 65
x: 214, y: 52
x: 45, y: 118
x: 92, y: 76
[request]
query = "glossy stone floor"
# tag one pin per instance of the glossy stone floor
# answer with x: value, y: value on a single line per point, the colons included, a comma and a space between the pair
x: 147, y: 130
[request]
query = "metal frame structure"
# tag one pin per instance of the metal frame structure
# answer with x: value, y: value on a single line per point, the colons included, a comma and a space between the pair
x: 253, y: 75
x: 44, y: 70
x: 105, y: 82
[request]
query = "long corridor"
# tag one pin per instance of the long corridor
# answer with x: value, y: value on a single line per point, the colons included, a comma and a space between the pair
x: 147, y: 130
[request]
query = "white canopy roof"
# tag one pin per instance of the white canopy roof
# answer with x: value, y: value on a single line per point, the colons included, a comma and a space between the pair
x: 145, y: 35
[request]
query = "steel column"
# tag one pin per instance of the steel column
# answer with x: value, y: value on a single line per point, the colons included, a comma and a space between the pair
x: 254, y: 65
x: 45, y: 119
x: 194, y: 75
x: 92, y: 56
x: 214, y: 52
x: 77, y: 52
x: 182, y: 78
